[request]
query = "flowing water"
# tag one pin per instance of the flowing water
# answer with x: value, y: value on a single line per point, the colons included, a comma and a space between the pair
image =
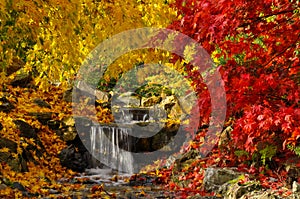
x: 111, y: 146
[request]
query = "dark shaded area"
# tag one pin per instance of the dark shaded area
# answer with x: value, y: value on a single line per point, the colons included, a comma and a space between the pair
x: 5, y: 105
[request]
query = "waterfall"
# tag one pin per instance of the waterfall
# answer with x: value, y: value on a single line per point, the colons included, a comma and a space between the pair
x: 145, y: 117
x: 111, y: 146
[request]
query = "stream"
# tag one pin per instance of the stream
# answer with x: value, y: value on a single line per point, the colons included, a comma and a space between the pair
x: 117, y: 185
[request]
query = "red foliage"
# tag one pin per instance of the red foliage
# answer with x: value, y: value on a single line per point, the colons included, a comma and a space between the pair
x: 258, y: 42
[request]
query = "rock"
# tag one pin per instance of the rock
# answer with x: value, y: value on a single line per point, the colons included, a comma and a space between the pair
x: 53, y: 191
x: 68, y: 121
x: 68, y: 129
x: 42, y: 117
x: 261, y: 194
x: 71, y: 126
x: 54, y: 124
x: 5, y: 105
x: 182, y: 159
x: 41, y: 103
x: 73, y: 160
x: 67, y: 95
x: 168, y: 102
x: 18, y: 164
x: 175, y: 111
x: 150, y: 101
x: 173, y: 108
x: 214, y: 178
x: 69, y: 134
x: 4, y: 156
x: 83, y: 89
x: 232, y: 190
x: 27, y: 152
x: 3, y: 186
x: 224, y: 137
x: 83, y: 124
x: 22, y: 79
x: 102, y: 96
x: 12, y: 146
x: 76, y: 156
x: 26, y: 130
x: 128, y: 114
x: 17, y: 185
x: 16, y: 65
x: 157, y: 113
x: 127, y: 99
x: 296, y: 187
x: 292, y: 169
x: 170, y: 161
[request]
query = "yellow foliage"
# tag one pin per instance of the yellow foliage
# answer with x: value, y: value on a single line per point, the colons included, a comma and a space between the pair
x: 54, y: 37
x: 57, y: 35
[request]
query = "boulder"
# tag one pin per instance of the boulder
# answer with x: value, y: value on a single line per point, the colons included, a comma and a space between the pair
x: 16, y: 65
x: 54, y: 124
x: 150, y: 101
x: 233, y: 190
x: 72, y: 159
x: 42, y: 117
x: 264, y: 194
x: 12, y: 146
x: 26, y: 130
x: 184, y: 159
x: 291, y: 166
x: 22, y: 78
x: 83, y: 89
x: 75, y: 156
x: 16, y: 164
x: 67, y: 95
x: 127, y: 99
x: 41, y: 103
x: 67, y: 128
x: 83, y: 124
x: 258, y: 194
x: 78, y: 159
x: 71, y: 126
x: 214, y: 178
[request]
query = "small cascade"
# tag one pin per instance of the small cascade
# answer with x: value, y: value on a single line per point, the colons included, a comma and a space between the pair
x: 111, y: 145
x: 129, y: 115
x: 145, y: 117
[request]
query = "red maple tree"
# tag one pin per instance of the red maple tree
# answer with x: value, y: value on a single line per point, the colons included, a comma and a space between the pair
x: 257, y: 45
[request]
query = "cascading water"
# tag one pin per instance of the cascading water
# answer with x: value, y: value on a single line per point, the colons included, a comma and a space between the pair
x: 111, y: 145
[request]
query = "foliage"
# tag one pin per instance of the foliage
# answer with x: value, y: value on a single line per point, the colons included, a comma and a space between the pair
x: 54, y: 37
x: 296, y: 149
x: 51, y: 39
x: 256, y: 46
x: 267, y: 153
x: 16, y: 36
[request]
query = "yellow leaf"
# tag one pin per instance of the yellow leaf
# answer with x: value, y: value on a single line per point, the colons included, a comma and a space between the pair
x: 4, y: 150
